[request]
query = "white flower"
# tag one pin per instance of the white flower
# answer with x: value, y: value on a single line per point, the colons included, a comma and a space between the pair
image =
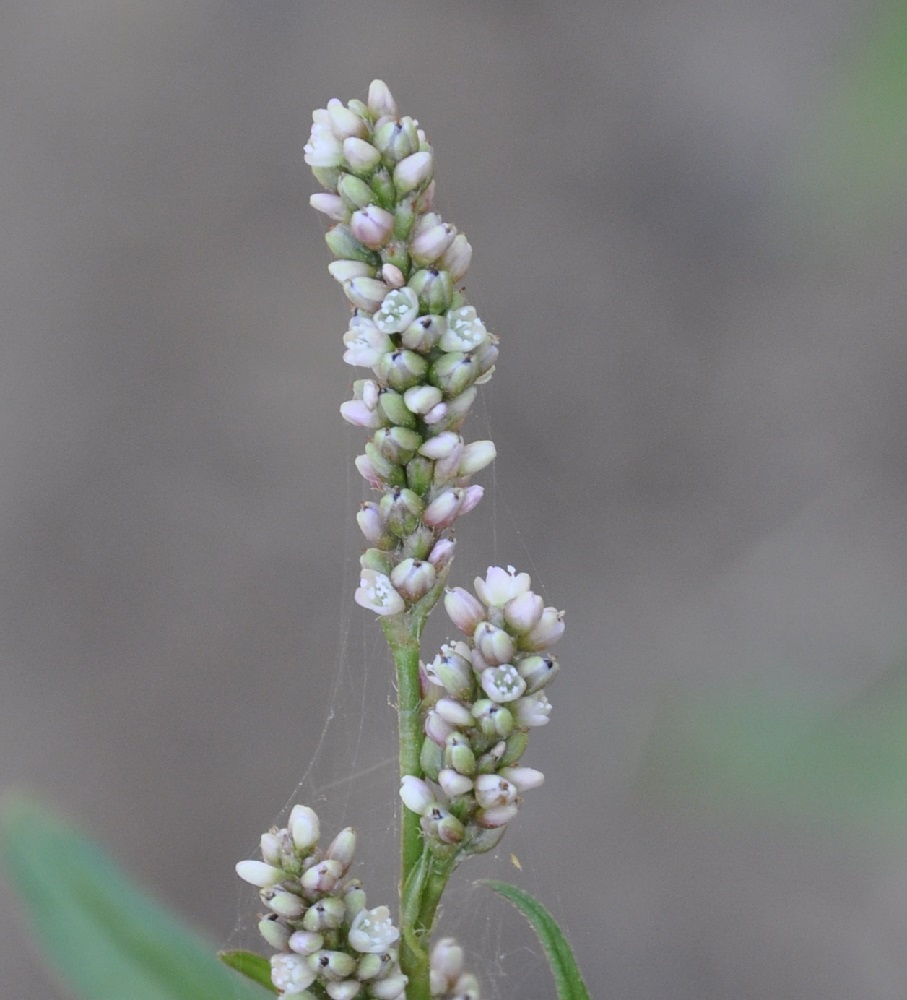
x: 533, y: 710
x: 502, y: 684
x: 365, y: 343
x: 501, y: 586
x: 372, y: 931
x: 399, y: 308
x: 376, y: 593
x: 323, y: 149
x: 291, y: 974
x: 465, y: 331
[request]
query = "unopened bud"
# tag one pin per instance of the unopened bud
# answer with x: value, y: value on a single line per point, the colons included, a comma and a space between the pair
x: 414, y: 172
x: 372, y: 226
x: 413, y: 578
x: 464, y: 610
x: 361, y: 156
x: 434, y: 288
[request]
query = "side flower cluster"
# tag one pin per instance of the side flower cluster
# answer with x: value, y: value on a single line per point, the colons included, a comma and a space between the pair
x: 400, y: 265
x: 447, y: 980
x: 326, y: 938
x: 482, y: 695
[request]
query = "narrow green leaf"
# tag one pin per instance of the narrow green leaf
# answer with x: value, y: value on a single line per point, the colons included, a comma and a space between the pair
x: 104, y: 936
x: 567, y: 977
x: 252, y: 966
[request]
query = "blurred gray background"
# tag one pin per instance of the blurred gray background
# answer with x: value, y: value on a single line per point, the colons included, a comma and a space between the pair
x: 699, y: 413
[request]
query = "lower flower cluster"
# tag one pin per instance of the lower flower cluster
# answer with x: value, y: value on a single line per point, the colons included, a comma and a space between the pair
x: 482, y: 695
x: 447, y: 980
x: 325, y: 936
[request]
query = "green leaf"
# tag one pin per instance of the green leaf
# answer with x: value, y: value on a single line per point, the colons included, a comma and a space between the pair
x: 785, y: 755
x: 567, y: 978
x: 102, y: 934
x: 252, y: 966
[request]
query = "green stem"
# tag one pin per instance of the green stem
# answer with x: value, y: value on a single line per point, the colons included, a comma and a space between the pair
x: 420, y: 877
x: 403, y: 638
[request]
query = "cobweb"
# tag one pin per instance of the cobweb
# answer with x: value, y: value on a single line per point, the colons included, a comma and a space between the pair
x: 351, y: 778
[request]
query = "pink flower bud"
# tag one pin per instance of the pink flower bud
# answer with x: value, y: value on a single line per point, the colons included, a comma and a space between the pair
x: 493, y: 643
x: 453, y: 783
x: 393, y: 276
x: 413, y: 172
x: 549, y: 628
x: 372, y: 226
x: 413, y: 578
x: 365, y: 293
x: 463, y: 609
x: 442, y: 553
x: 444, y: 509
x: 442, y: 446
x: 457, y: 258
x: 523, y: 612
x: 429, y: 243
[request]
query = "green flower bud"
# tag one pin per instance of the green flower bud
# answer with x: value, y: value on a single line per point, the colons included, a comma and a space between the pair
x: 422, y: 334
x: 431, y: 759
x: 396, y: 253
x: 401, y: 369
x: 390, y: 473
x: 396, y: 139
x: 537, y: 671
x: 418, y: 543
x: 514, y: 748
x: 434, y: 288
x: 495, y: 722
x: 332, y: 965
x: 326, y: 914
x: 355, y: 192
x: 383, y: 186
x: 369, y: 967
x: 419, y: 473
x: 401, y: 509
x: 397, y: 444
x: 458, y: 754
x: 453, y: 373
x: 394, y: 410
x: 361, y: 156
x: 343, y: 244
x: 327, y: 177
x: 376, y: 560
